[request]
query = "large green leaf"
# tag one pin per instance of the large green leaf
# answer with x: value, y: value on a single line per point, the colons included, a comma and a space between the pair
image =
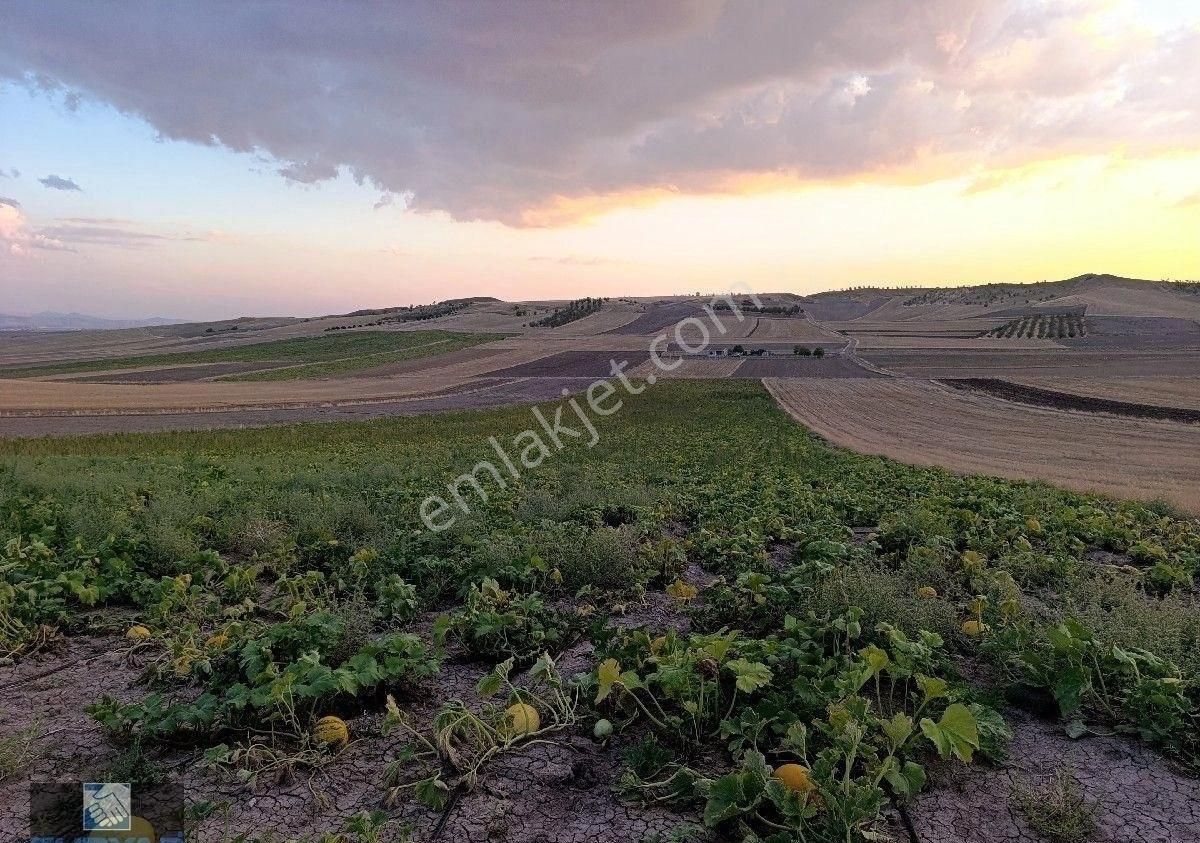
x: 956, y: 733
x: 750, y: 675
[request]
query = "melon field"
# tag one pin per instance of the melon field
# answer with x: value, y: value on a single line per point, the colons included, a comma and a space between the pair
x: 712, y: 626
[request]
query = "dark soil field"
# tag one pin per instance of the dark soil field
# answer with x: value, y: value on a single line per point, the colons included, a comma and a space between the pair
x: 749, y: 344
x: 801, y: 367
x: 1137, y: 332
x: 1038, y: 397
x: 659, y: 317
x: 574, y: 364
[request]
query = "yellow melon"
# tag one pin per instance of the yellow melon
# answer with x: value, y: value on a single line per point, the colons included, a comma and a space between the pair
x: 972, y: 628
x: 521, y: 719
x: 927, y: 591
x: 331, y: 731
x: 137, y: 633
x: 140, y: 829
x: 795, y: 778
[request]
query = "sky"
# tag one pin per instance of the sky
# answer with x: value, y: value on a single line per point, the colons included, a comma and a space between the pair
x: 211, y: 160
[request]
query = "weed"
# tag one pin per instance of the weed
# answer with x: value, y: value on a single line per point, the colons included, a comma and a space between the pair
x: 1057, y: 809
x: 18, y: 751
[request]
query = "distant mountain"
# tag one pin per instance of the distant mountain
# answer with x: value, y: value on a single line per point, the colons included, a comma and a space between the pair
x: 51, y: 321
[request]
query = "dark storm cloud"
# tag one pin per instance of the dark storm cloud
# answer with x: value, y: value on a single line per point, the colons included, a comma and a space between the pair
x: 58, y: 183
x: 490, y: 110
x: 12, y: 203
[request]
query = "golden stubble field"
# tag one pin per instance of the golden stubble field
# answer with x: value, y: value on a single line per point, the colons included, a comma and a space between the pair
x: 924, y: 423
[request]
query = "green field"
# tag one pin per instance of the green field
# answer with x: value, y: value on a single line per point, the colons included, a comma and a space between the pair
x: 290, y: 359
x: 867, y: 618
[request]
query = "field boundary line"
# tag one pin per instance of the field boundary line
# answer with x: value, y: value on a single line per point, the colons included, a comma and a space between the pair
x: 850, y: 352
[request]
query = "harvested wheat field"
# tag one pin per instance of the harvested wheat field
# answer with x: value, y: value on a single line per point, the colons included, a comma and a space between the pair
x: 772, y: 329
x: 920, y: 422
x: 482, y: 393
x: 26, y: 397
x: 1049, y: 362
x: 942, y: 342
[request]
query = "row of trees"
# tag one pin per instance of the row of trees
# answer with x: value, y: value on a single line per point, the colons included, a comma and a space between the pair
x: 575, y: 310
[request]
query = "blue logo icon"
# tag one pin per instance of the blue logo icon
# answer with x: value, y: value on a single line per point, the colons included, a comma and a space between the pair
x: 106, y: 807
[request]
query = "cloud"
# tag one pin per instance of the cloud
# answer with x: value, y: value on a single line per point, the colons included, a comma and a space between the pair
x: 1192, y: 201
x: 12, y: 203
x: 503, y: 111
x: 10, y: 173
x: 18, y: 240
x: 104, y: 231
x: 58, y: 183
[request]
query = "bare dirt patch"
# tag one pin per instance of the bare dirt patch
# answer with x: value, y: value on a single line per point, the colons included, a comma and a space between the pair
x: 830, y: 366
x: 691, y: 367
x: 47, y: 694
x: 573, y: 364
x: 1139, y: 798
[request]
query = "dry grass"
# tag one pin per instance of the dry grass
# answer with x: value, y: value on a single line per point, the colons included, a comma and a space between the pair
x: 612, y: 315
x: 1132, y: 299
x: 921, y: 422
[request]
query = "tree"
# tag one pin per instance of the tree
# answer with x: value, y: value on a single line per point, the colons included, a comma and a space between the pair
x: 818, y: 352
